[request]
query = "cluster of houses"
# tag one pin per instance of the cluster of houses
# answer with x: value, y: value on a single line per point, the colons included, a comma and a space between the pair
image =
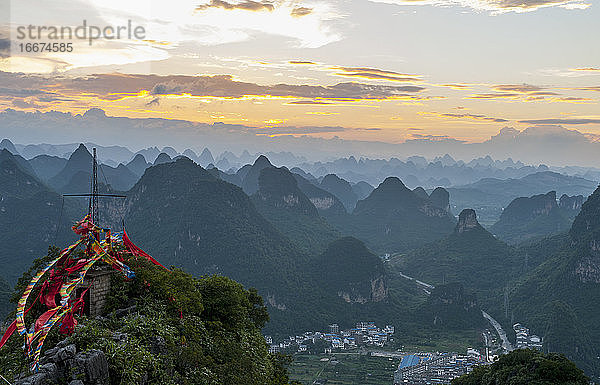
x: 365, y: 333
x: 435, y: 368
x: 526, y: 340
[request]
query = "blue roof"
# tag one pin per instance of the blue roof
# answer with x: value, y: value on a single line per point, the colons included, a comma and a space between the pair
x: 408, y: 361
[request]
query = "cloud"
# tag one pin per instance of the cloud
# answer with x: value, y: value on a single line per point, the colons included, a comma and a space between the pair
x: 25, y: 105
x: 433, y: 138
x: 298, y: 130
x: 225, y: 86
x: 247, y: 5
x: 561, y: 121
x: 302, y: 62
x: 155, y: 101
x: 497, y: 6
x: 4, y: 47
x: 587, y: 69
x: 456, y: 86
x: 301, y: 11
x: 476, y: 117
x: 589, y: 88
x: 116, y: 86
x: 521, y: 88
x: 318, y: 102
x: 494, y: 95
x: 376, y: 74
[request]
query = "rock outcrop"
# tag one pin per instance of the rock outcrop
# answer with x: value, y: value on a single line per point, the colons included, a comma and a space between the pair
x: 64, y: 365
x: 467, y: 220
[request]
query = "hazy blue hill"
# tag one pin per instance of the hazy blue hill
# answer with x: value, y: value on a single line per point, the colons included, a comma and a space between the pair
x: 281, y: 201
x: 205, y: 158
x: 393, y: 219
x: 571, y: 205
x: 530, y: 218
x: 138, y: 165
x: 341, y: 189
x: 80, y: 160
x: 249, y: 175
x: 47, y: 166
x: 491, y: 195
x: 536, y: 183
x: 326, y: 203
x: 72, y: 179
x: 309, y: 177
x: 230, y: 178
x: 163, y: 157
x: 420, y: 191
x: 440, y: 197
x: 120, y: 178
x: 29, y: 215
x: 362, y: 189
x: 6, y: 144
x: 17, y: 159
x: 560, y: 297
x: 180, y: 212
x: 470, y: 256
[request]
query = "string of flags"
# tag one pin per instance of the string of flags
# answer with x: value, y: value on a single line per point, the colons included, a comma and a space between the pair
x: 63, y: 276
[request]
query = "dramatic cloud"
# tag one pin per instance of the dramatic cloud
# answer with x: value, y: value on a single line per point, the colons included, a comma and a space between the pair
x: 495, y: 95
x: 497, y: 6
x: 247, y: 5
x: 521, y: 88
x: 317, y: 102
x: 225, y: 86
x: 561, y: 121
x: 118, y: 86
x: 375, y: 74
x: 23, y: 104
x: 590, y: 88
x: 298, y: 130
x: 476, y: 117
x: 302, y: 62
x: 456, y: 86
x: 433, y: 138
x: 587, y: 69
x: 301, y: 11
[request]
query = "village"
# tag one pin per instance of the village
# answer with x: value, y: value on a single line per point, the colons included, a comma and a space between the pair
x: 364, y: 334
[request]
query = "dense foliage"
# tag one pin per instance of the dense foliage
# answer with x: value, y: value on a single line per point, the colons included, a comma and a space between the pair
x: 280, y: 201
x: 526, y: 367
x: 176, y: 330
x: 533, y: 217
x: 474, y: 258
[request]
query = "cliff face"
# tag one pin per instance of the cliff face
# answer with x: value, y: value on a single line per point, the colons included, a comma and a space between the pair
x: 534, y: 217
x: 572, y: 203
x: 585, y: 233
x: 440, y: 197
x: 561, y: 296
x: 349, y: 269
x: 467, y: 221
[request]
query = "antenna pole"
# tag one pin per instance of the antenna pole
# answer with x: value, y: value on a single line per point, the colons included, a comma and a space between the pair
x: 95, y: 189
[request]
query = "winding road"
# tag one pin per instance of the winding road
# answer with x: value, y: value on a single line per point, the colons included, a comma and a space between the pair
x: 506, y: 345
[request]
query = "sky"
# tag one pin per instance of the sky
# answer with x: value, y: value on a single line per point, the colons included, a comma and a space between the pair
x: 380, y: 70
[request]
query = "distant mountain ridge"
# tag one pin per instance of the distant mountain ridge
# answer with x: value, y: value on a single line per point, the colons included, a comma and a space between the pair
x: 470, y: 255
x: 393, y: 219
x: 533, y: 217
